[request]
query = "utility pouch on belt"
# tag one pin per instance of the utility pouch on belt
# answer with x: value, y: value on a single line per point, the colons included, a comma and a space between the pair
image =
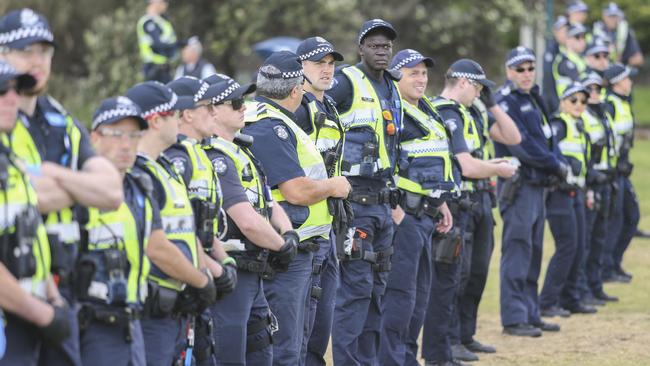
x: 510, y: 188
x: 160, y: 301
x: 447, y: 247
x: 85, y: 270
x: 204, y: 214
x: 16, y: 252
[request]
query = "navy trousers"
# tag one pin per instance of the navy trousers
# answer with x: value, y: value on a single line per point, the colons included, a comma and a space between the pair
x: 104, y: 345
x: 357, y: 314
x: 521, y: 255
x: 407, y: 291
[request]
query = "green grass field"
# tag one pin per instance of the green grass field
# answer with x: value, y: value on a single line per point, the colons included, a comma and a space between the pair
x: 642, y: 104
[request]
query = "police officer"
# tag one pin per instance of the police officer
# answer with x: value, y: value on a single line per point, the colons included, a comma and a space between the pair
x: 625, y: 211
x: 425, y: 180
x: 318, y: 117
x: 521, y: 200
x: 577, y: 12
x: 553, y: 47
x: 599, y: 129
x: 370, y: 108
x: 296, y: 173
x: 112, y: 275
x: 57, y: 149
x: 193, y: 64
x: 566, y: 210
x: 569, y: 65
x: 178, y: 288
x: 157, y: 41
x: 613, y: 26
x: 597, y: 55
x: 34, y: 311
x: 464, y: 82
x: 242, y: 321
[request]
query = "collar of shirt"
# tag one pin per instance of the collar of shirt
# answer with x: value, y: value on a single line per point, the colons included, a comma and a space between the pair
x: 263, y: 99
x: 534, y: 91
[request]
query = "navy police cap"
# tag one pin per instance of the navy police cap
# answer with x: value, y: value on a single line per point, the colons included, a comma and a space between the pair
x: 189, y: 86
x: 612, y: 10
x: 560, y: 22
x: 8, y: 73
x: 592, y: 78
x: 573, y: 88
x: 577, y: 6
x: 155, y: 97
x: 315, y: 48
x: 23, y: 27
x: 519, y: 55
x: 115, y: 109
x: 576, y: 29
x: 409, y: 58
x: 471, y: 70
x: 597, y: 45
x: 229, y: 89
x: 618, y: 72
x: 373, y: 24
x: 286, y: 62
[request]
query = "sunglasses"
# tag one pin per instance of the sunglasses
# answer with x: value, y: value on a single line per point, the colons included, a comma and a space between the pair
x: 236, y: 104
x: 575, y: 100
x: 118, y: 134
x: 5, y: 89
x: 476, y: 84
x: 594, y: 88
x: 598, y: 56
x: 520, y: 70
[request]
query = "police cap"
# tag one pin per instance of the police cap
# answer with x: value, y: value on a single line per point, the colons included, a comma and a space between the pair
x: 23, y: 27
x: 315, y: 48
x: 155, y: 97
x: 409, y: 58
x: 471, y: 70
x: 115, y: 109
x: 374, y: 24
x: 617, y: 72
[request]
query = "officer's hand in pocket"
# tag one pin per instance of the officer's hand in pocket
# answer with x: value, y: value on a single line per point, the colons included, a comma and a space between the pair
x: 59, y: 328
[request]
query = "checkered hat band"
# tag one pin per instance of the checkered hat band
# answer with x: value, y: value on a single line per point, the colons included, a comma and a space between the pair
x: 5, y: 69
x: 519, y: 59
x: 570, y: 91
x: 199, y: 94
x: 22, y: 33
x: 467, y: 75
x: 592, y: 80
x: 315, y: 52
x: 224, y: 94
x: 620, y: 76
x: 284, y: 75
x: 113, y: 113
x: 165, y: 107
x: 597, y: 49
x: 407, y: 60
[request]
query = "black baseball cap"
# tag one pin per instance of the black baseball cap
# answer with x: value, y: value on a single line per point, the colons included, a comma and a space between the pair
x: 471, y: 70
x: 409, y: 58
x: 23, y: 27
x: 315, y: 48
x: 155, y: 97
x: 519, y: 55
x: 374, y: 24
x: 115, y: 109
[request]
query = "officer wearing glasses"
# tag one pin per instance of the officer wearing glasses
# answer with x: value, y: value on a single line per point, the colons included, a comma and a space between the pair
x: 521, y: 199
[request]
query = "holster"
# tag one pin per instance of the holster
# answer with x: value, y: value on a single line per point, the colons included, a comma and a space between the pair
x: 160, y: 301
x: 418, y: 205
x: 447, y: 247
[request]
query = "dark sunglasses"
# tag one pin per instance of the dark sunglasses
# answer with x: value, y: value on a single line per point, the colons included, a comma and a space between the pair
x: 575, y: 100
x: 236, y: 104
x: 5, y: 90
x: 522, y: 69
x: 598, y: 56
x: 594, y: 88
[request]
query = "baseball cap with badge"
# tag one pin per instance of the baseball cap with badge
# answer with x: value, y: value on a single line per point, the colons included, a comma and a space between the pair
x: 471, y: 70
x: 575, y: 30
x: 519, y: 55
x: 115, y: 109
x: 374, y: 24
x: 155, y: 97
x: 9, y: 73
x: 612, y: 10
x: 577, y: 6
x: 315, y: 48
x: 23, y: 27
x: 409, y: 58
x: 574, y: 88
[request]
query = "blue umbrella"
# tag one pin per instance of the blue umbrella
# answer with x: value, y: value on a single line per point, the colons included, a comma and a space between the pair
x: 265, y: 48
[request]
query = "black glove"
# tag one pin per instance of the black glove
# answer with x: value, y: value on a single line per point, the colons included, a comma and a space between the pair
x: 289, y: 250
x: 563, y: 171
x: 206, y: 295
x: 349, y: 212
x: 59, y: 328
x: 487, y: 97
x: 226, y: 283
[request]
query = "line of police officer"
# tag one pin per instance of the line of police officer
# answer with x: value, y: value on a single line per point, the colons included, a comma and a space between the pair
x: 244, y: 233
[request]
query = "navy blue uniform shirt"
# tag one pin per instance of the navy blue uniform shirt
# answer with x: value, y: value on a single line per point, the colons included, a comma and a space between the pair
x: 233, y: 191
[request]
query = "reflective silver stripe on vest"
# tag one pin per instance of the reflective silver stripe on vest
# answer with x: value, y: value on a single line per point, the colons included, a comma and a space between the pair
x: 597, y: 135
x: 325, y: 144
x: 571, y: 147
x: 359, y: 116
x: 67, y: 232
x: 579, y: 181
x: 177, y: 224
x: 177, y: 201
x: 233, y: 245
x: 623, y: 127
x: 106, y: 234
x: 355, y: 169
x: 316, y: 171
x: 36, y: 288
x: 199, y: 187
x: 421, y: 147
x: 9, y: 212
x: 313, y: 231
x: 601, y: 165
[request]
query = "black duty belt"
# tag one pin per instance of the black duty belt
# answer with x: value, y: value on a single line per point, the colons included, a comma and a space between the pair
x: 375, y: 198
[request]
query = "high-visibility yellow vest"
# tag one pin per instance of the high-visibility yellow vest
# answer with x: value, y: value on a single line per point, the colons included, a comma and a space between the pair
x: 561, y: 81
x: 119, y: 230
x: 366, y: 122
x: 16, y: 198
x: 623, y: 121
x: 319, y: 221
x: 177, y: 218
x: 326, y: 137
x: 574, y: 145
x: 597, y: 135
x: 144, y: 40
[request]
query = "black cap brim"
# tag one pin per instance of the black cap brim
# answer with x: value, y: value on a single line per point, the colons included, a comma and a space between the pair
x: 392, y: 33
x: 319, y: 56
x: 242, y: 90
x: 487, y: 83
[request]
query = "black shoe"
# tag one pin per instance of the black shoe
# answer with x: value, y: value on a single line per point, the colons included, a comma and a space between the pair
x: 548, y: 327
x: 603, y: 296
x: 592, y: 301
x: 459, y: 352
x: 522, y: 330
x: 555, y: 311
x: 619, y: 271
x: 582, y: 309
x: 616, y: 278
x: 478, y: 347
